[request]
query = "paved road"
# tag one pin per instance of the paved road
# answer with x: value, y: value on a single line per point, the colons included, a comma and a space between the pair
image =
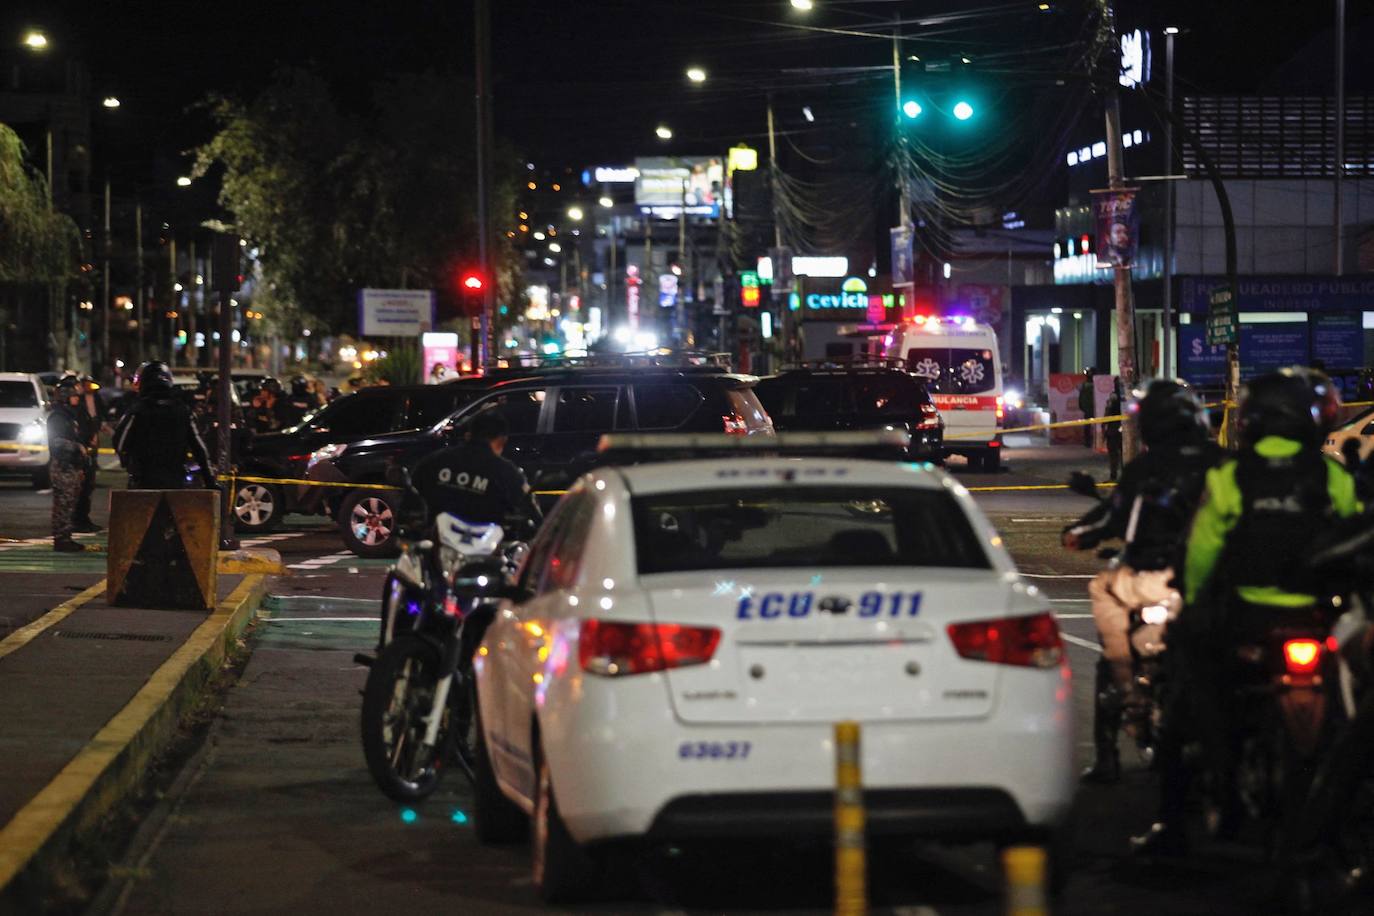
x: 276, y: 813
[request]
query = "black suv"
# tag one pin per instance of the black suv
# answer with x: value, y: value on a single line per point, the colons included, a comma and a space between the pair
x: 371, y: 412
x: 849, y: 395
x: 556, y: 418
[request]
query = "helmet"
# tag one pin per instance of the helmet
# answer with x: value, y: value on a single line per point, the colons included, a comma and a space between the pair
x: 67, y: 386
x: 1168, y: 411
x: 269, y: 383
x: 300, y: 385
x: 153, y: 377
x: 1296, y: 403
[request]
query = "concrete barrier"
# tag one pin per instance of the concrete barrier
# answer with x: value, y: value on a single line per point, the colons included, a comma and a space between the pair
x: 163, y: 549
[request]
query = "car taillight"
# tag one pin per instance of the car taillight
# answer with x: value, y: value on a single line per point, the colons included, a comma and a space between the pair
x: 1032, y: 642
x: 930, y: 417
x: 735, y: 425
x: 611, y: 649
x: 1302, y: 656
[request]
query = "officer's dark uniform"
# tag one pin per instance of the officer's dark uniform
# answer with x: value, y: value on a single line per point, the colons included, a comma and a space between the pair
x: 88, y: 419
x: 292, y: 410
x: 155, y: 436
x: 475, y: 484
x: 67, y: 468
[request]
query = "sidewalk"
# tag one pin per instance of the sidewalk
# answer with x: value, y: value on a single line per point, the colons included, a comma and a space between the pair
x: 90, y: 694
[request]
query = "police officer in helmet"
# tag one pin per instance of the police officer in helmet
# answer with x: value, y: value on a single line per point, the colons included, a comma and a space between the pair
x: 1149, y: 510
x: 472, y: 481
x: 1244, y: 572
x: 67, y: 462
x: 157, y: 433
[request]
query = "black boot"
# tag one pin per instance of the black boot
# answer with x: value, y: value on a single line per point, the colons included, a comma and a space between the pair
x: 66, y: 545
x: 1163, y: 839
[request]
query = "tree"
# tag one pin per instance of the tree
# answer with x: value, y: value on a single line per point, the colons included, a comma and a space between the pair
x: 338, y: 200
x: 40, y: 249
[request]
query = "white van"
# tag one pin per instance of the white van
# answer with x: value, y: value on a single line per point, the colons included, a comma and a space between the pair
x: 959, y: 361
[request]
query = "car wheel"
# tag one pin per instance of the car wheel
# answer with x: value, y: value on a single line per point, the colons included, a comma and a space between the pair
x: 41, y: 480
x: 563, y: 871
x: 495, y: 818
x: 368, y: 522
x: 990, y: 461
x: 258, y: 507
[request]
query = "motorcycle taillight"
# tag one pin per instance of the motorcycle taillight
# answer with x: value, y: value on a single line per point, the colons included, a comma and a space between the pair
x: 1302, y: 656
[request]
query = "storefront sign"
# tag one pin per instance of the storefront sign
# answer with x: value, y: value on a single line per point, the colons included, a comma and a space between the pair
x: 1338, y: 340
x: 395, y: 312
x: 1263, y: 347
x: 1282, y: 294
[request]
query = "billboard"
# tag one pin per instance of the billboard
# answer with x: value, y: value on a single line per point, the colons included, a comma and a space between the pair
x: 395, y: 312
x: 1118, y: 227
x: 664, y: 182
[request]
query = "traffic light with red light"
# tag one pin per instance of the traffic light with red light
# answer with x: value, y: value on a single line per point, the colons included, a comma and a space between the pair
x: 473, y: 282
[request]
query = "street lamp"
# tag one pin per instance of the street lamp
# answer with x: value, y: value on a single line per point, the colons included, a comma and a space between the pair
x: 575, y: 214
x: 110, y: 102
x: 606, y: 202
x: 555, y: 247
x: 35, y: 40
x: 664, y: 132
x: 696, y: 74
x: 963, y: 110
x: 184, y: 181
x: 803, y: 5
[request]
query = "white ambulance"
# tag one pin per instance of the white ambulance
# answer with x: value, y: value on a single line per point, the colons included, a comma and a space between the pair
x: 958, y: 359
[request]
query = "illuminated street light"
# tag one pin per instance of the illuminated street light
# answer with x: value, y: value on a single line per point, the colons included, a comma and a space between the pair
x: 184, y: 181
x: 804, y: 5
x: 963, y: 111
x: 911, y: 108
x: 35, y: 40
x: 806, y: 113
x: 696, y: 74
x: 1171, y: 30
x: 110, y: 102
x: 664, y: 132
x: 575, y: 214
x: 606, y: 202
x: 555, y: 247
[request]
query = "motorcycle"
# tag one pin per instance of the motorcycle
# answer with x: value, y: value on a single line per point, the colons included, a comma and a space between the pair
x: 1146, y: 629
x: 418, y: 702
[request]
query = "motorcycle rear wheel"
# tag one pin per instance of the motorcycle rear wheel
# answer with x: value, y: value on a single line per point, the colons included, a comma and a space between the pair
x: 396, y: 700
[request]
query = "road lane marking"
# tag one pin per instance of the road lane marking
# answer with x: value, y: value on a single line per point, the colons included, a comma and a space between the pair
x: 326, y: 619
x: 1078, y: 641
x: 1073, y: 616
x: 26, y: 634
x: 1058, y: 575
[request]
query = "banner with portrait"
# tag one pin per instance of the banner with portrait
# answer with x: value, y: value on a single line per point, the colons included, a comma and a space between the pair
x: 1118, y: 226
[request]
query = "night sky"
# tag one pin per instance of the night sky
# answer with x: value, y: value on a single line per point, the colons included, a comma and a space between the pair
x: 585, y: 81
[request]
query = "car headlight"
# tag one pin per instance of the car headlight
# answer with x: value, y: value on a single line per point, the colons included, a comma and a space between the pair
x: 328, y: 452
x: 35, y: 433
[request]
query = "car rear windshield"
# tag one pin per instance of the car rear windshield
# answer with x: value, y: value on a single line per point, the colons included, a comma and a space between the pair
x: 18, y: 394
x: 954, y: 370
x: 808, y: 527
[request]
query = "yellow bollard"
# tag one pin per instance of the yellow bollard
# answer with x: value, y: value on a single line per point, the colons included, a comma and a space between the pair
x: 1025, y: 868
x: 851, y: 867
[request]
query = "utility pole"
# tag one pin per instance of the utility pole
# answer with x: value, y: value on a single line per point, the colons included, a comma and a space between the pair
x: 1125, y: 306
x: 785, y: 314
x: 482, y: 21
x: 903, y: 191
x: 1169, y: 194
x: 1339, y: 215
x: 138, y: 275
x: 105, y: 290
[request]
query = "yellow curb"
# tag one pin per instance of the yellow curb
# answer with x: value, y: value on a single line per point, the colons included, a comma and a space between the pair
x: 25, y: 634
x: 249, y: 560
x: 36, y: 844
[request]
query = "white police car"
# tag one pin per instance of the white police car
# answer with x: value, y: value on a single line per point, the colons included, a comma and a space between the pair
x: 689, y: 632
